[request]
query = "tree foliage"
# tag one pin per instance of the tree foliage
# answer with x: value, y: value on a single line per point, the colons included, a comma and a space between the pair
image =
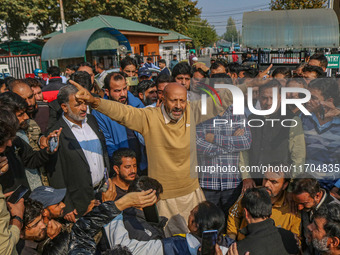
x: 13, y: 16
x: 296, y: 4
x: 201, y: 32
x: 231, y: 32
x: 164, y: 14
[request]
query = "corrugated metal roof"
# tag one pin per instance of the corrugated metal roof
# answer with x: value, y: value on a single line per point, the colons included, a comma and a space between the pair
x: 118, y: 23
x: 174, y: 36
x: 308, y: 28
x: 74, y: 44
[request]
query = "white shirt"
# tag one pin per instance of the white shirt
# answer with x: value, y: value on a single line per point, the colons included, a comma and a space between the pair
x: 92, y: 148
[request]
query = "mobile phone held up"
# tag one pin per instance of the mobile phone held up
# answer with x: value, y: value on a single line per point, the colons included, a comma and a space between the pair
x: 106, y: 185
x: 132, y: 81
x: 209, y: 240
x: 53, y: 143
x: 20, y: 192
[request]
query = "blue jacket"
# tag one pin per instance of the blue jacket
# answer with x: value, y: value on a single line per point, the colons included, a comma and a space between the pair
x: 115, y: 134
x: 165, y: 71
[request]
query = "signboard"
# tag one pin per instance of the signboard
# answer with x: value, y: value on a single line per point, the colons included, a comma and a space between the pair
x: 285, y: 60
x: 333, y: 61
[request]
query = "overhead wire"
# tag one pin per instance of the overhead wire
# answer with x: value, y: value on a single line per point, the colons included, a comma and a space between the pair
x: 237, y: 9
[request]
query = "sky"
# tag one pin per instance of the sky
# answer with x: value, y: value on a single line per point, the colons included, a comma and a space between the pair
x: 217, y: 12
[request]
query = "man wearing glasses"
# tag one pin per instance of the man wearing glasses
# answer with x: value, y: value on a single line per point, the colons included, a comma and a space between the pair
x: 34, y: 229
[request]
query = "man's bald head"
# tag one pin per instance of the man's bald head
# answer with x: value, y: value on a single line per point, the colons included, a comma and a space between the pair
x: 175, y: 100
x: 174, y: 87
x: 17, y: 85
x: 21, y: 88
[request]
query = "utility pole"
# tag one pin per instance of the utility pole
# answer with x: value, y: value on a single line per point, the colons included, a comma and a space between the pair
x: 62, y: 16
x: 330, y: 4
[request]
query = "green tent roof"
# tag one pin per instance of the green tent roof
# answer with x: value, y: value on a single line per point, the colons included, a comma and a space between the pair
x: 75, y: 44
x: 118, y: 23
x: 21, y: 48
x: 174, y: 36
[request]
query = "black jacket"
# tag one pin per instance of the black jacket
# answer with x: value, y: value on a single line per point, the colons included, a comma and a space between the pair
x: 263, y: 238
x: 81, y: 238
x: 141, y: 230
x: 69, y: 168
x: 88, y: 226
x: 54, y: 83
x: 55, y: 113
x: 27, y: 247
x: 269, y: 144
x: 21, y: 155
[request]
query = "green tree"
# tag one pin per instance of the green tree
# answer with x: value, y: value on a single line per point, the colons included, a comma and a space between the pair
x: 201, y: 32
x: 296, y: 4
x: 231, y: 34
x: 45, y: 14
x: 13, y: 16
x: 164, y: 14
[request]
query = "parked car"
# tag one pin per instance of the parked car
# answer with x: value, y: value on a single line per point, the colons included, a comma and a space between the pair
x: 4, y: 70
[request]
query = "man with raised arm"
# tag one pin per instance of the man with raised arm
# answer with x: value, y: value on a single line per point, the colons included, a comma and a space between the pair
x: 167, y: 135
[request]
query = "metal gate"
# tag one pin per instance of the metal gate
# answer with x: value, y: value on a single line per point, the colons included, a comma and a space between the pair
x: 20, y: 65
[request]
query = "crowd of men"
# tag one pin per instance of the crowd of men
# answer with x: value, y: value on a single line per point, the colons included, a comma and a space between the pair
x: 114, y: 166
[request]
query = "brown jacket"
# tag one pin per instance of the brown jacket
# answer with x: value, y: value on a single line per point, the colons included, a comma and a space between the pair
x: 280, y: 214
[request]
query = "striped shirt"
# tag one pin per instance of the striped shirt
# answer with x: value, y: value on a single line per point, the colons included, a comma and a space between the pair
x: 323, y: 149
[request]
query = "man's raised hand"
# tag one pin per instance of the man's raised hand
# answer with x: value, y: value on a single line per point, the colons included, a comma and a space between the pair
x: 137, y: 199
x: 84, y: 96
x: 261, y: 79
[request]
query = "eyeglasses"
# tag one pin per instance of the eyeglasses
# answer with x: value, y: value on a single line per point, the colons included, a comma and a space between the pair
x: 35, y: 224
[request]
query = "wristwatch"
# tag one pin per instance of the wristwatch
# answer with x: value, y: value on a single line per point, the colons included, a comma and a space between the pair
x: 18, y: 219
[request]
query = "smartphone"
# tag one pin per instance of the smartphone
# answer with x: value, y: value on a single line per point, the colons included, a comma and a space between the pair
x: 106, y: 185
x: 19, y: 193
x: 209, y: 240
x: 322, y: 112
x: 151, y: 213
x: 132, y: 81
x: 106, y: 176
x: 53, y: 143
